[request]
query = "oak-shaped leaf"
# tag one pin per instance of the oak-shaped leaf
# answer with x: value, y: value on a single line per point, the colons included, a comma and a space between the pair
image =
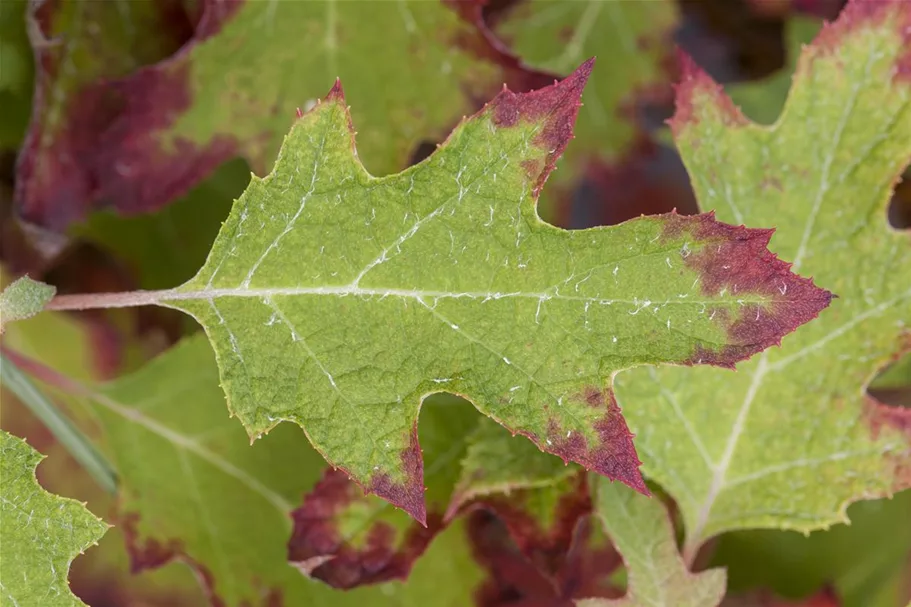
x: 338, y: 300
x: 42, y: 533
x: 792, y: 438
x: 657, y: 576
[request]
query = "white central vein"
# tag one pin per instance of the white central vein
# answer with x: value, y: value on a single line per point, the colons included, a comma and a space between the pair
x: 351, y: 290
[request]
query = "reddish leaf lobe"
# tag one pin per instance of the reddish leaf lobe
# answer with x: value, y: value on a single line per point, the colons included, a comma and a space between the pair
x: 112, y: 154
x: 870, y: 14
x: 559, y: 103
x: 317, y: 548
x: 614, y: 454
x: 736, y: 260
x: 409, y: 494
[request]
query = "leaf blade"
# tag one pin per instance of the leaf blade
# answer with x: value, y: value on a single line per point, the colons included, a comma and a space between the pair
x: 373, y: 280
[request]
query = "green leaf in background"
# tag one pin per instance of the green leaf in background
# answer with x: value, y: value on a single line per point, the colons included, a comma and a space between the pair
x: 16, y: 73
x: 180, y: 118
x: 765, y: 598
x: 657, y: 576
x: 41, y: 533
x: 195, y: 488
x: 22, y: 299
x: 494, y: 464
x: 862, y: 561
x: 632, y: 43
x: 896, y: 375
x: 79, y: 47
x: 64, y: 430
x: 792, y: 438
x: 102, y: 575
x: 338, y: 300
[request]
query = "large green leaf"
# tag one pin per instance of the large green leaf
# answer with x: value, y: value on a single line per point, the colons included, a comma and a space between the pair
x: 41, y: 533
x: 791, y: 438
x: 338, y: 300
x: 642, y: 532
x: 632, y: 43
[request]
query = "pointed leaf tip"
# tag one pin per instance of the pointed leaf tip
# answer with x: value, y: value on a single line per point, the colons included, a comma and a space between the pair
x: 693, y: 82
x: 408, y: 493
x: 336, y: 92
x: 556, y: 106
x: 612, y: 454
x: 741, y: 263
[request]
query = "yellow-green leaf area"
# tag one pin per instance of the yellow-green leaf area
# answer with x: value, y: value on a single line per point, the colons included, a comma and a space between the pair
x: 23, y: 298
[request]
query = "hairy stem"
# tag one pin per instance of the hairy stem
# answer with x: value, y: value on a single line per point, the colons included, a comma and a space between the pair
x: 88, y: 301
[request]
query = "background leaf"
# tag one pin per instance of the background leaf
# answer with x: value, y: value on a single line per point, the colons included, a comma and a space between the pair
x: 791, y: 438
x: 177, y: 120
x: 657, y: 576
x: 210, y: 499
x: 44, y: 532
x: 22, y: 299
x: 866, y: 562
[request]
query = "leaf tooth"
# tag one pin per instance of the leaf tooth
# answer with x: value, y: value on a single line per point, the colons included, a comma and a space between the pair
x: 698, y: 96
